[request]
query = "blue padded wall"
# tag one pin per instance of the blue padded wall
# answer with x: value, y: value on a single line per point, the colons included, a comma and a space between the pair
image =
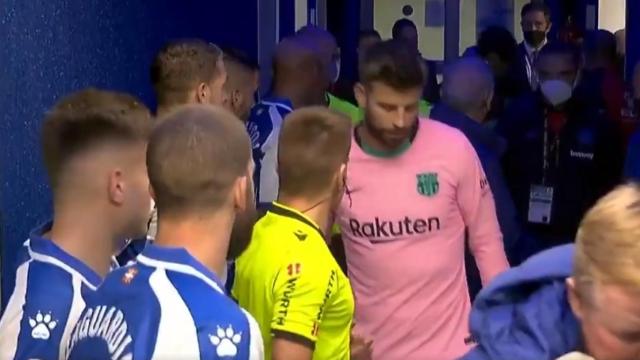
x: 52, y: 47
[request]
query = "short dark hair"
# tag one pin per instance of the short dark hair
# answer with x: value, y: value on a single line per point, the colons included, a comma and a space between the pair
x: 87, y: 119
x: 562, y: 48
x: 536, y: 6
x: 390, y: 62
x: 180, y: 67
x: 499, y: 41
x: 400, y: 25
x: 369, y: 33
x: 313, y: 143
x: 195, y: 155
x: 241, y: 58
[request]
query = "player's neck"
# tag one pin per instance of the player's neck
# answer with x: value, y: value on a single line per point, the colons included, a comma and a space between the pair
x: 85, y: 235
x: 372, y: 145
x: 165, y: 109
x: 291, y: 92
x: 207, y: 240
x: 318, y: 210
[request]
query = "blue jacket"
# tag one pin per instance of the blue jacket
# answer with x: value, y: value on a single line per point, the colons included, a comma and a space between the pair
x: 632, y: 165
x: 524, y: 313
x: 589, y: 160
x: 490, y: 148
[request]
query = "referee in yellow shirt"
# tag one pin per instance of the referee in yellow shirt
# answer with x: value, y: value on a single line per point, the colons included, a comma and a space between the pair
x: 287, y: 278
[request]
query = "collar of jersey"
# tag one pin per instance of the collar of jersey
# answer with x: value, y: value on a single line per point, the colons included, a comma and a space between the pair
x: 282, y: 210
x: 386, y: 154
x: 45, y: 250
x: 278, y: 102
x: 179, y: 260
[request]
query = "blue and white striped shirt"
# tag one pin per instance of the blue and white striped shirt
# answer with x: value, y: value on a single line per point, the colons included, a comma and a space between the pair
x: 50, y: 292
x: 165, y: 306
x: 264, y: 126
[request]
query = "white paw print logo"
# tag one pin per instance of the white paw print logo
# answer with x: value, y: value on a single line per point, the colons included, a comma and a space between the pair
x: 226, y: 341
x: 42, y: 326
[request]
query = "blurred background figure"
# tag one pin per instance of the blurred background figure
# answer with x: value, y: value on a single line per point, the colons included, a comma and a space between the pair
x: 536, y: 24
x: 405, y: 30
x: 601, y: 81
x: 632, y: 165
x: 564, y: 152
x: 329, y: 52
x: 299, y: 79
x: 497, y: 46
x: 344, y: 87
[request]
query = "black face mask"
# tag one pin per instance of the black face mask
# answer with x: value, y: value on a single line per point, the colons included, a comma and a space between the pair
x: 535, y: 37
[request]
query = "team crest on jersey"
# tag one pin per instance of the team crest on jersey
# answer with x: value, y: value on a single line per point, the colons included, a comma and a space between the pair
x: 128, y: 277
x: 427, y: 184
x: 42, y: 325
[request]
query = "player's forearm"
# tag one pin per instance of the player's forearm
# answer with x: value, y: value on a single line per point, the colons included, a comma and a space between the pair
x: 284, y: 349
x: 485, y: 241
x: 488, y: 251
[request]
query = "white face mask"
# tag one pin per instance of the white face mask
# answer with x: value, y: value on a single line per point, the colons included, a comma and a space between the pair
x: 152, y: 206
x: 556, y: 91
x: 337, y: 70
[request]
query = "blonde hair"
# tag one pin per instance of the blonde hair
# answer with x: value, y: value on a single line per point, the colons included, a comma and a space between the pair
x: 313, y: 144
x: 608, y: 241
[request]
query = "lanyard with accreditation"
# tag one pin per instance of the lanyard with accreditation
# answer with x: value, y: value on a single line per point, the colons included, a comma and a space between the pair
x: 541, y: 195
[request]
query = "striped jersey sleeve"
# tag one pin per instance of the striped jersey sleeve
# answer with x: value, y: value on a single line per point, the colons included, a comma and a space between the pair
x: 147, y: 312
x: 45, y: 304
x: 263, y: 127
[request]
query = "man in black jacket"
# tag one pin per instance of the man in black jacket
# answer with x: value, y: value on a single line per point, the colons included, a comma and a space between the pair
x: 563, y: 152
x: 536, y: 23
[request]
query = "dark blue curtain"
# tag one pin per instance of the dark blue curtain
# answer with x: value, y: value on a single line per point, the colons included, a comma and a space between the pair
x: 49, y: 48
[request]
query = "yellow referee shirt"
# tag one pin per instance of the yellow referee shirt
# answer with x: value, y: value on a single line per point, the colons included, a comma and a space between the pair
x: 289, y: 281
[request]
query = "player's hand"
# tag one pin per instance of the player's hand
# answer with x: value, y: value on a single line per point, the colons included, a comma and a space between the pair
x: 361, y: 348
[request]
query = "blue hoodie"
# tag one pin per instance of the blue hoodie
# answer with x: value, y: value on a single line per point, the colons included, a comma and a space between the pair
x: 524, y: 313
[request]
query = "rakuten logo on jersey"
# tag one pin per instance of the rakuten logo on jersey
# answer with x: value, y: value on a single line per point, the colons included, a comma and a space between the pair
x: 382, y: 230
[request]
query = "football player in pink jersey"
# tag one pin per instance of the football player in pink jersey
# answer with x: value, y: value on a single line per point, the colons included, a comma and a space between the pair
x: 415, y: 190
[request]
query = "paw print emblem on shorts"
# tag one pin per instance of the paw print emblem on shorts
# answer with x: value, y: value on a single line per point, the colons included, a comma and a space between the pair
x: 226, y: 341
x: 42, y: 326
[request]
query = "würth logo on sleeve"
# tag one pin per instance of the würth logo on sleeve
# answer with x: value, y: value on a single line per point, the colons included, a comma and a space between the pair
x: 427, y: 184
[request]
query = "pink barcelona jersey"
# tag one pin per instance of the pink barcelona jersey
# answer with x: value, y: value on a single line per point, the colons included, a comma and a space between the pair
x: 403, y: 226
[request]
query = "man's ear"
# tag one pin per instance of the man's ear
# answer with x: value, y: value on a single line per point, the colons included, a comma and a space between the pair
x: 361, y: 95
x: 203, y: 93
x: 240, y: 194
x: 490, y: 100
x: 575, y: 300
x: 116, y: 187
x: 236, y: 98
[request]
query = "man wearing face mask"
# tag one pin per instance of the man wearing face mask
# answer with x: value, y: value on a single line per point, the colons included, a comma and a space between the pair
x: 563, y: 152
x: 632, y: 165
x: 536, y: 23
x: 288, y: 278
